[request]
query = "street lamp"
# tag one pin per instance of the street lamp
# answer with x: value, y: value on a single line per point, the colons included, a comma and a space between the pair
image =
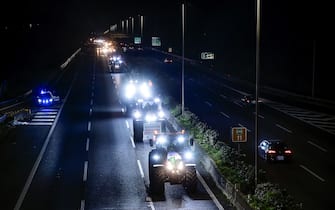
x: 258, y: 15
x: 183, y: 46
x: 313, y: 73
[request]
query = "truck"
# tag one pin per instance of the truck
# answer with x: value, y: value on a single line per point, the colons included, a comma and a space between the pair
x: 171, y: 160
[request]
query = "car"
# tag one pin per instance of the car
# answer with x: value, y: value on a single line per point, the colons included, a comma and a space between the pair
x: 168, y: 60
x: 250, y: 100
x: 275, y: 150
x: 46, y: 98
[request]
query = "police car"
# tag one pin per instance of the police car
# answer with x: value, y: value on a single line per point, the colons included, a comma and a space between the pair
x: 46, y: 98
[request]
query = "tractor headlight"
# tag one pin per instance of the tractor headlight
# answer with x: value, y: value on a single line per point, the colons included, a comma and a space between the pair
x: 137, y: 114
x: 181, y: 139
x: 156, y: 157
x: 180, y: 165
x: 150, y: 117
x: 130, y: 91
x: 188, y: 155
x: 145, y: 90
x: 161, y: 140
x: 161, y: 114
x: 175, y: 166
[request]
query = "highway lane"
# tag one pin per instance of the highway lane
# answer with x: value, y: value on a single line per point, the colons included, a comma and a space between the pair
x: 57, y: 183
x: 307, y: 178
x: 88, y: 160
x: 17, y: 156
x: 113, y: 178
x: 20, y: 150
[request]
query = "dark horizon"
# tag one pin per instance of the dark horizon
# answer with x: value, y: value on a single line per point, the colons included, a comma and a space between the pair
x: 288, y: 34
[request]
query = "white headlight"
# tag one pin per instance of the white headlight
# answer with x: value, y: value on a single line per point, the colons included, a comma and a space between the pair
x: 181, y: 139
x: 188, y: 155
x: 137, y: 114
x: 150, y: 117
x: 156, y: 157
x: 161, y: 140
x: 145, y: 90
x: 130, y: 91
x: 161, y: 114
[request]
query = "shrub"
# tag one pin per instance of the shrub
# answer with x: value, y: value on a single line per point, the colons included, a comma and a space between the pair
x: 232, y: 166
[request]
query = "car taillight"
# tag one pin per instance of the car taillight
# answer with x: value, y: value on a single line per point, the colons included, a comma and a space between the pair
x: 271, y: 151
x: 288, y: 152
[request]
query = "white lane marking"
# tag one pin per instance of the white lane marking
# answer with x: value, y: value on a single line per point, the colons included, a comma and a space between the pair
x: 46, y: 116
x: 211, y: 194
x: 89, y: 126
x: 39, y: 123
x: 127, y: 124
x: 85, y: 171
x: 132, y: 141
x: 82, y: 204
x: 151, y: 204
x: 91, y: 102
x: 317, y: 146
x: 224, y: 114
x: 40, y: 155
x: 42, y: 120
x: 90, y: 112
x: 285, y: 129
x: 209, y: 104
x: 45, y: 113
x: 92, y: 94
x: 87, y: 144
x: 314, y: 174
x: 223, y: 96
x: 244, y: 127
x: 140, y: 167
x: 49, y: 110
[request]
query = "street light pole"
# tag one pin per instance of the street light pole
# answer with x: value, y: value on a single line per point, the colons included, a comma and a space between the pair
x: 258, y: 10
x: 141, y: 22
x: 182, y: 72
x: 313, y: 73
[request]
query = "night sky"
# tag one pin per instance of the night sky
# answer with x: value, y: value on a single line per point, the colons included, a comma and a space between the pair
x: 227, y: 27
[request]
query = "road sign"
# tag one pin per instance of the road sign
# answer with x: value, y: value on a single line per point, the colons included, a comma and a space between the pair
x: 156, y: 41
x: 239, y: 134
x: 207, y: 56
x: 137, y: 40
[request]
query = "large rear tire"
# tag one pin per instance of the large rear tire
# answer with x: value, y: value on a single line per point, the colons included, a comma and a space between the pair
x: 190, y: 183
x: 138, y: 131
x: 156, y: 178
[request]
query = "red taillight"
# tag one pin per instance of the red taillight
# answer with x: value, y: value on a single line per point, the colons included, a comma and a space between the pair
x: 288, y: 152
x: 271, y: 151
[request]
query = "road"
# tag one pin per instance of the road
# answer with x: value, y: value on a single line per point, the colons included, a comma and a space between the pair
x: 80, y: 154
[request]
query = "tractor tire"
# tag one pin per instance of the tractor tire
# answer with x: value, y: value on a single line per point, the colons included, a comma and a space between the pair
x: 138, y: 131
x: 157, y: 181
x: 190, y: 183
